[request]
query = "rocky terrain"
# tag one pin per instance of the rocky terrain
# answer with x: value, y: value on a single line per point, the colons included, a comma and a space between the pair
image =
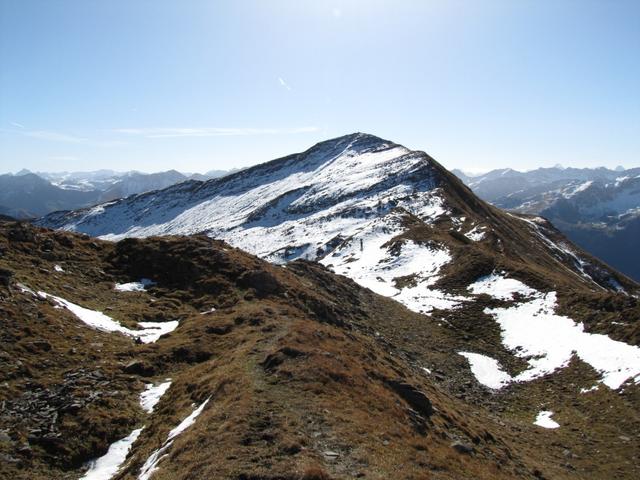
x: 402, y: 328
x: 598, y: 209
x: 280, y: 373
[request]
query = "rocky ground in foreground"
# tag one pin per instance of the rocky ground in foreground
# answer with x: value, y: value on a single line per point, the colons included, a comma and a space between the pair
x: 307, y: 375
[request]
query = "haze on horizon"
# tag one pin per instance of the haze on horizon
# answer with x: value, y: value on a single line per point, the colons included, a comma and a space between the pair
x: 201, y: 85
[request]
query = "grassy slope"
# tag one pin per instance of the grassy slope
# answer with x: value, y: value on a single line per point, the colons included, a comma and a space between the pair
x: 298, y: 362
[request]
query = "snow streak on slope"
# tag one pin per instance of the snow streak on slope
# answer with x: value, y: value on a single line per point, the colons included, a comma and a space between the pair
x: 151, y: 465
x: 151, y: 396
x: 108, y: 465
x: 149, y: 333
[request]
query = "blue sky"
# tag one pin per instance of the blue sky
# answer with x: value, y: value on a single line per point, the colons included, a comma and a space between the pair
x: 197, y: 85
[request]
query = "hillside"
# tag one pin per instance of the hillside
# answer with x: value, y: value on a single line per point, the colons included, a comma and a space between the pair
x: 271, y: 372
x: 513, y: 316
x: 597, y: 208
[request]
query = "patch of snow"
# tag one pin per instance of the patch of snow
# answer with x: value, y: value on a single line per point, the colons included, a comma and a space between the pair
x: 58, y: 268
x: 150, y: 332
x: 105, y: 467
x: 206, y: 312
x: 544, y: 420
x: 590, y: 389
x: 134, y: 286
x: 580, y: 188
x: 108, y: 465
x: 151, y: 396
x: 619, y: 180
x: 25, y: 289
x: 548, y: 341
x: 151, y: 465
x: 426, y: 370
x: 401, y: 269
x: 501, y: 288
x: 487, y: 370
x: 475, y: 234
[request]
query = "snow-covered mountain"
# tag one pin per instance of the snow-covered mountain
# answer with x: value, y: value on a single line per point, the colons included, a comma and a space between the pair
x: 599, y: 208
x: 392, y: 219
x: 121, y: 184
x: 338, y: 202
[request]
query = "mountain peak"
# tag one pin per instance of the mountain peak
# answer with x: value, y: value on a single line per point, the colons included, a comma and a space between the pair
x: 357, y: 142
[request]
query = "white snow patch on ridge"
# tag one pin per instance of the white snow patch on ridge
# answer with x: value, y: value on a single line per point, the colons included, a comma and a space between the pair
x: 544, y: 420
x: 134, y: 286
x: 369, y: 259
x: 151, y: 465
x: 150, y: 332
x: 108, y: 465
x: 151, y: 396
x: 548, y: 341
x: 487, y: 370
x: 580, y: 188
x: 475, y: 234
x: 500, y: 287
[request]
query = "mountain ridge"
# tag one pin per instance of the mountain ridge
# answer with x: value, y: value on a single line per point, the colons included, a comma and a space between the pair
x: 596, y: 208
x: 279, y: 372
x: 385, y: 272
x: 291, y: 190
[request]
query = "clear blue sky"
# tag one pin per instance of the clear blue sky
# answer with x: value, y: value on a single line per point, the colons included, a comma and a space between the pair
x: 198, y: 85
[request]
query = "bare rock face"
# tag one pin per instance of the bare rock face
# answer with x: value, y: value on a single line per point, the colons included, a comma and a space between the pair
x: 6, y: 276
x: 21, y: 233
x: 414, y: 397
x: 138, y: 367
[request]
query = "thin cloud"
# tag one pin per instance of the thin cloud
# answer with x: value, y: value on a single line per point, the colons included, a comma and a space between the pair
x: 16, y: 124
x: 55, y: 136
x: 283, y: 83
x: 61, y: 137
x: 211, y: 131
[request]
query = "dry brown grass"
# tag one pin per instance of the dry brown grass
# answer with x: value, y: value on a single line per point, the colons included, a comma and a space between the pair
x: 299, y: 383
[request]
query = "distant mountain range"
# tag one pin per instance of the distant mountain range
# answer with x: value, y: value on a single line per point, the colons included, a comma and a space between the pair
x: 598, y: 208
x: 30, y: 195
